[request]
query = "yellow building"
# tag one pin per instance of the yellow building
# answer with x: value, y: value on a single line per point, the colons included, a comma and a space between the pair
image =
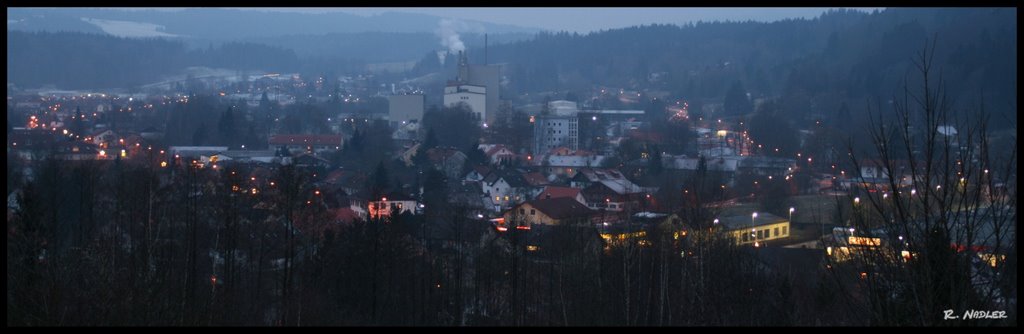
x: 758, y: 228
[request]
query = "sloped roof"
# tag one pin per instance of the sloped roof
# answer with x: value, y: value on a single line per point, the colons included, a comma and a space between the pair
x: 561, y: 208
x: 482, y: 170
x: 438, y: 154
x: 599, y: 192
x: 514, y: 178
x: 496, y: 149
x: 598, y: 174
x: 558, y: 192
x: 535, y: 179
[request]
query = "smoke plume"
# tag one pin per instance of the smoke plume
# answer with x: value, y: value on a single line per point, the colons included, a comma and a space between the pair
x: 446, y: 30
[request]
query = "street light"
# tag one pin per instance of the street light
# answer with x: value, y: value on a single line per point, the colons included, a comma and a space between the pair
x: 791, y: 209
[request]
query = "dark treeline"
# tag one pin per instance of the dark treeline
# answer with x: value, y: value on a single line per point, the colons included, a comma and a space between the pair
x: 116, y: 243
x: 91, y: 61
x: 840, y: 56
x: 380, y: 46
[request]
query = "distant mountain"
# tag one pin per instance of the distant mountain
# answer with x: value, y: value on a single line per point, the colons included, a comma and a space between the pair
x: 233, y: 24
x: 379, y: 46
x: 73, y: 60
x: 813, y: 64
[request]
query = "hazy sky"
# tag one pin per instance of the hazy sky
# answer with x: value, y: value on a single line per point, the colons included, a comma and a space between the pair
x: 588, y: 19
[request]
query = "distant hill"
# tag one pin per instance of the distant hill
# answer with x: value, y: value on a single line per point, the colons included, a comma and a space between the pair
x: 813, y: 66
x: 379, y: 46
x: 72, y: 60
x: 233, y: 24
x: 816, y: 64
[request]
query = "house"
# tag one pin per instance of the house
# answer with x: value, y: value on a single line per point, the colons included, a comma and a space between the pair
x: 588, y: 176
x: 599, y: 196
x: 505, y: 187
x: 610, y: 178
x: 766, y: 166
x: 394, y: 202
x: 536, y: 182
x: 725, y: 166
x: 552, y: 211
x: 497, y: 153
x: 560, y: 192
x: 306, y: 143
x: 477, y: 173
x: 640, y: 227
x: 469, y: 195
x: 569, y: 164
x: 448, y: 160
x: 76, y: 150
x: 874, y: 177
x: 104, y: 138
x: 872, y: 169
x: 351, y: 182
x: 310, y: 161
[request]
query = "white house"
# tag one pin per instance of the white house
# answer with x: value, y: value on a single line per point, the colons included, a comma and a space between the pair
x: 505, y: 188
x: 497, y: 153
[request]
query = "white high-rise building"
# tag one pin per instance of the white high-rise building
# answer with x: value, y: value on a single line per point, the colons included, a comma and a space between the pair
x: 475, y: 97
x: 559, y: 128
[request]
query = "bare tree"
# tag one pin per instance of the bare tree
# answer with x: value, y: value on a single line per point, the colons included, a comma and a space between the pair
x: 940, y: 233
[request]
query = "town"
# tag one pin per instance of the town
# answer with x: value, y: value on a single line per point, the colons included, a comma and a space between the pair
x: 267, y: 198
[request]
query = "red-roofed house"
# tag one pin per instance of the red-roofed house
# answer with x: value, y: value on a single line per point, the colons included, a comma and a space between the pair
x: 554, y: 211
x: 560, y: 192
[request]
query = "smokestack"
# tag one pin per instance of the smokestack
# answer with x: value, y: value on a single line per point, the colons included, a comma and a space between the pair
x: 463, y: 70
x: 485, y: 50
